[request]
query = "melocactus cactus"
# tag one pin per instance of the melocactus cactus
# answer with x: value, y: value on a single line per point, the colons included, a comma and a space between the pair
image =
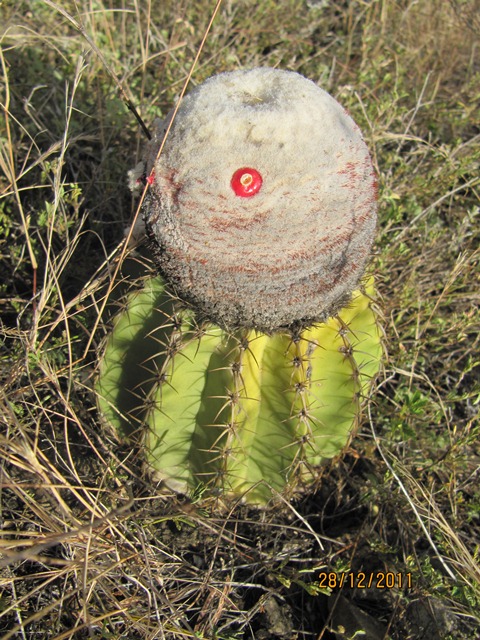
x: 261, y: 215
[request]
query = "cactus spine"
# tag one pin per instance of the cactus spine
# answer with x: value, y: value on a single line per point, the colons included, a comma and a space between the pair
x: 240, y: 412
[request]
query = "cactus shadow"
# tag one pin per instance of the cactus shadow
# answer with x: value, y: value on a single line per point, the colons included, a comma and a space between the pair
x: 137, y: 353
x: 141, y: 369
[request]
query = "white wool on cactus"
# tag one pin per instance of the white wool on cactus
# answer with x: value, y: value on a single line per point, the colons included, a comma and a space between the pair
x: 261, y: 210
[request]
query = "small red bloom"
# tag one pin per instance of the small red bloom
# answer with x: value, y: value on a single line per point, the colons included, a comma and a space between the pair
x: 246, y: 182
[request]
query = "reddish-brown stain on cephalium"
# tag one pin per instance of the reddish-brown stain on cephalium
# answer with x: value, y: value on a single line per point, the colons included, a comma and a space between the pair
x: 227, y: 222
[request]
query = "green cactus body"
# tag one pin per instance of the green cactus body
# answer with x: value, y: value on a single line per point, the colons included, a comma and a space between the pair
x: 240, y: 412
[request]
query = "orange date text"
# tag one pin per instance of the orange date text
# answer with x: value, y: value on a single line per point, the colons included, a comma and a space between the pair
x: 364, y: 580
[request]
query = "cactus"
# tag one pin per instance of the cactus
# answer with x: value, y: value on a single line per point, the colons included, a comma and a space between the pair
x: 243, y: 366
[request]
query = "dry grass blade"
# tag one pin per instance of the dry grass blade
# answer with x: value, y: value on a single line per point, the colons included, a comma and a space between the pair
x: 9, y: 163
x: 98, y: 52
x: 130, y: 232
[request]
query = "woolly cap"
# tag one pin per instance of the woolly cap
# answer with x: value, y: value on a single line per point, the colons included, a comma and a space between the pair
x: 293, y: 251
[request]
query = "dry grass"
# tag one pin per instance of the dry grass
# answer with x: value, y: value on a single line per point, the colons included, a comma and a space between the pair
x: 90, y: 549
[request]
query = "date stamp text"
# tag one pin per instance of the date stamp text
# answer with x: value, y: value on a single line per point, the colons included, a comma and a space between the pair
x: 364, y: 580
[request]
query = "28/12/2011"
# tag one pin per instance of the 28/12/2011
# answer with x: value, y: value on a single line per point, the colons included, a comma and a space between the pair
x: 363, y: 580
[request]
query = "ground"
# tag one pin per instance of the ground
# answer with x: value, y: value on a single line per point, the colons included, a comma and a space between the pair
x: 91, y: 547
